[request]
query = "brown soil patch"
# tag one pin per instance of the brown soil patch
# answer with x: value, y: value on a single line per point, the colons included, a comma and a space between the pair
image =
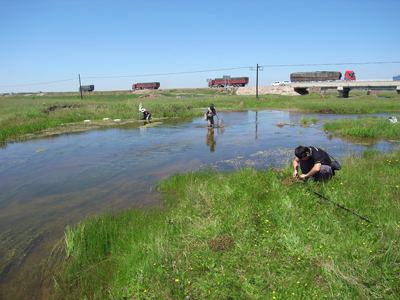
x: 152, y: 96
x: 326, y: 111
x: 338, y: 111
x: 290, y: 181
x: 143, y: 91
x: 61, y: 107
x: 221, y: 244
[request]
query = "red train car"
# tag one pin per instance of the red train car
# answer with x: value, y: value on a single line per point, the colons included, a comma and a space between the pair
x: 234, y: 81
x: 146, y: 86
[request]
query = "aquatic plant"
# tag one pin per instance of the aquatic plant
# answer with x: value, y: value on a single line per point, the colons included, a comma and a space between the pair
x: 306, y: 121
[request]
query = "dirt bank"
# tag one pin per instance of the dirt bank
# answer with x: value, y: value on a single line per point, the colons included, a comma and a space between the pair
x: 263, y: 90
x: 242, y: 91
x: 80, y: 127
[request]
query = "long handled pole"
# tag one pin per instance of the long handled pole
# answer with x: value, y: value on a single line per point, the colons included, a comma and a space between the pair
x: 338, y: 205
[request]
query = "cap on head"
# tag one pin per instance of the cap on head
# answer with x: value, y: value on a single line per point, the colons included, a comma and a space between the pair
x: 211, y: 104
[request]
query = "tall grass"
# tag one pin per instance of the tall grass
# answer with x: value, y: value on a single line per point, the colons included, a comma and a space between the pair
x: 365, y: 127
x: 249, y: 234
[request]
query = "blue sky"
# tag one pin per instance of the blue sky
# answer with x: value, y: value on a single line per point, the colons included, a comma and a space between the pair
x: 112, y: 44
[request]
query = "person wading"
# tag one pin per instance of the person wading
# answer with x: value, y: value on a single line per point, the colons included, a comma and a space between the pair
x: 209, y: 116
x: 314, y: 163
x: 146, y: 114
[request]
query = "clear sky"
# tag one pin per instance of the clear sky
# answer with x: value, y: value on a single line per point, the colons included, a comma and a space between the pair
x: 45, y: 44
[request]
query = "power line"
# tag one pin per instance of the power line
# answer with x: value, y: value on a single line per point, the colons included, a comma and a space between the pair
x: 260, y: 66
x: 162, y: 74
x: 38, y: 83
x: 210, y: 70
x: 334, y: 64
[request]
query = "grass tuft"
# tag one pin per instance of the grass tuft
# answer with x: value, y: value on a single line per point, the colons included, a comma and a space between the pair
x: 365, y: 127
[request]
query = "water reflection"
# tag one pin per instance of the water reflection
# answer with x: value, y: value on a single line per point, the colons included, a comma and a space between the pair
x: 256, y: 122
x: 50, y: 183
x: 210, y: 141
x: 210, y: 138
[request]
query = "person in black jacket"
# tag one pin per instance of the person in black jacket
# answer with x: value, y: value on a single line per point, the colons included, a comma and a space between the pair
x: 314, y: 163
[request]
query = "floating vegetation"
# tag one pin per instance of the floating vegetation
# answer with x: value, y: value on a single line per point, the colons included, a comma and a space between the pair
x: 281, y: 124
x: 276, y: 157
x: 307, y: 121
x: 151, y: 124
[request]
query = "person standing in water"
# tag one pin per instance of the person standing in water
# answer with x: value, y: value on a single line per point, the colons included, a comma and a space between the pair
x: 209, y: 116
x: 146, y: 114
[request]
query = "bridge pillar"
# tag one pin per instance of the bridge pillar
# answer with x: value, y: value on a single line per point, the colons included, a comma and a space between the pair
x: 343, y: 92
x: 398, y: 90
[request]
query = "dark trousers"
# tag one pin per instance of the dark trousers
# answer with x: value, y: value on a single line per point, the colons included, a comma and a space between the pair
x: 324, y: 173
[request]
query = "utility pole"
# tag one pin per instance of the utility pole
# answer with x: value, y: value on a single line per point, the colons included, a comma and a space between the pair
x: 226, y: 78
x: 80, y: 86
x: 257, y: 82
x: 258, y: 68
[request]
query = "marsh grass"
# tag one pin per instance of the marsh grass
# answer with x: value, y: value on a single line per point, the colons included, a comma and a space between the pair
x: 307, y: 121
x: 21, y: 115
x: 250, y: 234
x: 364, y: 127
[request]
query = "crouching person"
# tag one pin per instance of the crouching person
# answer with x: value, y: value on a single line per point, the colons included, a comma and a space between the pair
x: 146, y: 114
x: 314, y: 163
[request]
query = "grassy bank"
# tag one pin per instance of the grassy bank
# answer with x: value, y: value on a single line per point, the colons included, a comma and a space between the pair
x: 365, y: 127
x: 247, y: 235
x: 27, y: 116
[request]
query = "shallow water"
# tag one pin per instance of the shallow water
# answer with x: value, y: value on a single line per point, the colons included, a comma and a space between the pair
x: 50, y: 183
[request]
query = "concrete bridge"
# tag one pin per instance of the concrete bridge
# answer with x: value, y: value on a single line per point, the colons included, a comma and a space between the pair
x: 344, y: 86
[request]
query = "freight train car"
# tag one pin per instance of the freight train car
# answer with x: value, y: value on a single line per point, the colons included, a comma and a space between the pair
x: 321, y: 76
x: 234, y: 81
x: 146, y: 86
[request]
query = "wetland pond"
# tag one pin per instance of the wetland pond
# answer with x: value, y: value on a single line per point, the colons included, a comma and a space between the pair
x: 49, y: 183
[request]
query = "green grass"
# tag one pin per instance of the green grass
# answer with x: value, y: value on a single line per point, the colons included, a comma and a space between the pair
x: 249, y: 234
x: 365, y: 127
x: 306, y: 121
x: 26, y: 114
